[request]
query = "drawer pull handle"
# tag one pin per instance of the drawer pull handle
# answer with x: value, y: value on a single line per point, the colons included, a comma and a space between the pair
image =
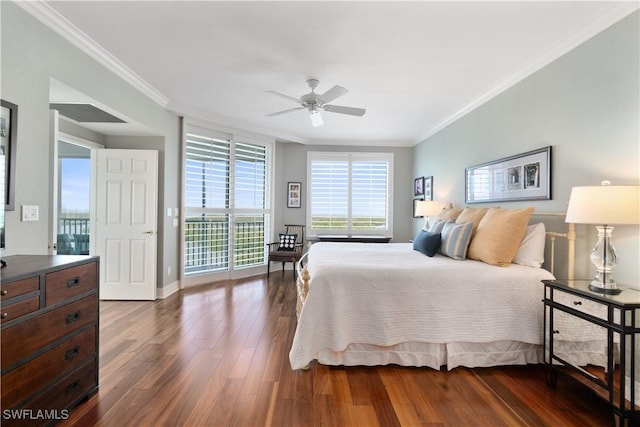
x: 71, y: 354
x: 556, y: 331
x: 71, y: 388
x: 73, y: 282
x: 4, y: 292
x: 73, y: 317
x: 4, y: 315
x: 577, y: 303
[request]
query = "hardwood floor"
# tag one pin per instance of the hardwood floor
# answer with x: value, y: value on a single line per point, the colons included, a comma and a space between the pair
x: 217, y: 355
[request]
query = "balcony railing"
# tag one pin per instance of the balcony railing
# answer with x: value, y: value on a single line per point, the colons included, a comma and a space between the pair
x: 206, y: 246
x: 73, y: 236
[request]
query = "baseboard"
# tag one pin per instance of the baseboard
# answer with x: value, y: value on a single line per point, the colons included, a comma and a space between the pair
x: 171, y: 288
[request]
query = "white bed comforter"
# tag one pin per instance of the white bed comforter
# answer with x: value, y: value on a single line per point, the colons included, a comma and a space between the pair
x: 386, y: 294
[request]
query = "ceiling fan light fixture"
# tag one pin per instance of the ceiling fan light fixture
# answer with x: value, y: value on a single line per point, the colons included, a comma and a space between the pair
x: 314, y: 103
x: 316, y: 118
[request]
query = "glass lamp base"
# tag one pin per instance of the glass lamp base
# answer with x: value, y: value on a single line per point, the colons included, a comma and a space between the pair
x: 605, y: 288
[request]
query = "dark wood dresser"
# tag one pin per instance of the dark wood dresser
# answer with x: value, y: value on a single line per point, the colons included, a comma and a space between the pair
x: 49, y: 336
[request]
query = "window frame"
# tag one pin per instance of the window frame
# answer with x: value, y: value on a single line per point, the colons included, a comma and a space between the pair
x: 232, y: 213
x: 350, y: 158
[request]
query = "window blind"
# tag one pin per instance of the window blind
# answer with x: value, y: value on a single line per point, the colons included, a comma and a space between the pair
x: 226, y: 203
x: 349, y: 193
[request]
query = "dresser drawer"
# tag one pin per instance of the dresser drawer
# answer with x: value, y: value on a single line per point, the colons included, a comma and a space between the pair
x: 19, y: 287
x: 17, y: 309
x: 580, y: 304
x: 29, y: 337
x: 19, y: 384
x: 67, y: 283
x: 62, y: 396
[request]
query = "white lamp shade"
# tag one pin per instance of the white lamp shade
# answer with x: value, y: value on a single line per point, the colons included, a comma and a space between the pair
x: 604, y: 204
x: 428, y: 207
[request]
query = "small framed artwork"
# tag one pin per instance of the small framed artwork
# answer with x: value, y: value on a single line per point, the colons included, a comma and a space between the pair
x: 428, y: 188
x: 8, y: 142
x: 418, y: 187
x: 415, y: 206
x: 294, y: 194
x: 525, y: 176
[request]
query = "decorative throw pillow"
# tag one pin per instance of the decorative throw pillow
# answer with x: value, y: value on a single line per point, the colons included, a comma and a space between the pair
x: 499, y: 234
x: 531, y: 250
x: 471, y: 215
x: 427, y: 243
x: 436, y: 226
x: 287, y: 242
x: 449, y: 213
x: 455, y: 239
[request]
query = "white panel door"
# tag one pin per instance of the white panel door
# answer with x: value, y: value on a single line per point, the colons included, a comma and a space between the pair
x: 126, y: 239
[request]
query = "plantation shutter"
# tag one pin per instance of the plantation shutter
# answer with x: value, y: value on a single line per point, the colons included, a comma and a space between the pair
x: 206, y: 186
x: 349, y: 193
x: 369, y: 195
x: 251, y: 203
x: 226, y: 203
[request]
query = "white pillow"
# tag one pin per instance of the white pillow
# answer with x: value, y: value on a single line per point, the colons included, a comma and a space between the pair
x: 531, y: 250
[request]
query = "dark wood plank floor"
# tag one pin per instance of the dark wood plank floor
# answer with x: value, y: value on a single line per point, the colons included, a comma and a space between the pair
x: 217, y: 355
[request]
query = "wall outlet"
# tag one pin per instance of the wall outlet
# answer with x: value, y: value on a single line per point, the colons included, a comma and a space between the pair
x: 168, y: 271
x: 30, y: 213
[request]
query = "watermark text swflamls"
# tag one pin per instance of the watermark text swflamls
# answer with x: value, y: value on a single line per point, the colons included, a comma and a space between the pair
x: 35, y: 414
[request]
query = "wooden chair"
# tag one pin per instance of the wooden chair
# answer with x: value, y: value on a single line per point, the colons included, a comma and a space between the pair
x: 293, y: 254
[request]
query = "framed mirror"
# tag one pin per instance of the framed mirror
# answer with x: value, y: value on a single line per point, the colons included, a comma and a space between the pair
x: 8, y: 142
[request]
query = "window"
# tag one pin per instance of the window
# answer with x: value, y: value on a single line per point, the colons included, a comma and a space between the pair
x: 349, y: 193
x: 226, y: 203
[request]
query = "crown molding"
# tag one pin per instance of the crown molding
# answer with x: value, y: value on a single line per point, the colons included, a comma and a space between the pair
x: 615, y: 13
x: 58, y: 23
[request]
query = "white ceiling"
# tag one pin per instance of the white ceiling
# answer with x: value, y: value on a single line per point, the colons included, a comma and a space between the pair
x: 415, y: 66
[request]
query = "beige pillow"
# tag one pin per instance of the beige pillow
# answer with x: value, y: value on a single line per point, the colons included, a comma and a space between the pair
x: 471, y: 215
x: 449, y: 213
x: 499, y: 235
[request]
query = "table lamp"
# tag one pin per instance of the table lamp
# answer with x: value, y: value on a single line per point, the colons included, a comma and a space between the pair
x: 426, y: 208
x: 603, y: 206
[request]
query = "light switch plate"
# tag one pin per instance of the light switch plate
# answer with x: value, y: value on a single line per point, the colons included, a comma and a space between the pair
x: 30, y: 213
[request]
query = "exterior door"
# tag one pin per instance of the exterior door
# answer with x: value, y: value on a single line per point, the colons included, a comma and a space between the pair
x: 126, y: 239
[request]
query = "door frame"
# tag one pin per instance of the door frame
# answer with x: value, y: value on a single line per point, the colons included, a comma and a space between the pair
x: 56, y: 136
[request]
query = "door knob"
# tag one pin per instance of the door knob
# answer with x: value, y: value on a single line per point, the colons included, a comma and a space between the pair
x: 148, y: 232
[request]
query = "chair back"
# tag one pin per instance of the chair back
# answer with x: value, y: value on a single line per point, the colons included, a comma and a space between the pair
x: 295, y: 229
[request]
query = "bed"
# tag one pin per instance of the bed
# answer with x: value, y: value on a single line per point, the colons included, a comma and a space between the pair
x: 377, y: 304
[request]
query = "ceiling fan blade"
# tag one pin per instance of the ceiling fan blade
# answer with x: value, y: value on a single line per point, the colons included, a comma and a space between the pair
x: 285, y: 111
x: 345, y: 110
x: 332, y: 94
x: 282, y: 95
x: 316, y: 119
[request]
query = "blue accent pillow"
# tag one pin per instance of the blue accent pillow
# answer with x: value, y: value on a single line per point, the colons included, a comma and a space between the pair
x: 287, y: 242
x: 455, y: 239
x: 427, y: 243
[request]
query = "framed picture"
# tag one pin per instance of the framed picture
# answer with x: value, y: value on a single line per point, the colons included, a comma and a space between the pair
x: 294, y: 194
x: 8, y: 142
x: 418, y: 187
x: 428, y: 188
x: 415, y: 206
x: 525, y: 176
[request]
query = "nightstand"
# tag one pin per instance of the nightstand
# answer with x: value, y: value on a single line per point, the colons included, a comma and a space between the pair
x: 595, y: 338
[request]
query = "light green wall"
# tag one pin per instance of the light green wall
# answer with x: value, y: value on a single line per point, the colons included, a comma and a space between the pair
x: 291, y: 165
x: 31, y: 55
x: 585, y: 105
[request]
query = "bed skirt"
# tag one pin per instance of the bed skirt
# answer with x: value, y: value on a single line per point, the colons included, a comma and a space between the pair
x: 435, y: 356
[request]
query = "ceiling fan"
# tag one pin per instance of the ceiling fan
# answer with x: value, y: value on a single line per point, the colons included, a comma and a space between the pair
x: 314, y: 102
